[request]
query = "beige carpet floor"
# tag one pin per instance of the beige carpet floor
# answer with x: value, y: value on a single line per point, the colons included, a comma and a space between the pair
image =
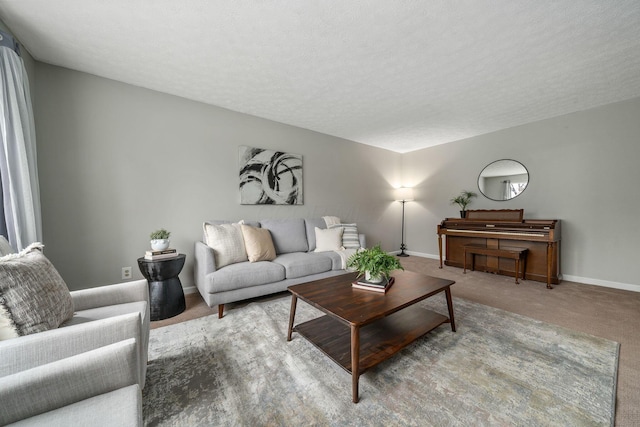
x: 608, y: 313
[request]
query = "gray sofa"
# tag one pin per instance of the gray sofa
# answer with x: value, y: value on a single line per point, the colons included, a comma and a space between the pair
x: 296, y: 262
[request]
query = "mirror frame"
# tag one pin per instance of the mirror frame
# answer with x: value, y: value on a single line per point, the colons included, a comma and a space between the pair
x: 526, y: 171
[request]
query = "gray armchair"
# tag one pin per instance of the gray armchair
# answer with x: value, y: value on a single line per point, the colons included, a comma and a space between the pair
x: 103, y: 317
x: 96, y: 388
x: 107, y: 302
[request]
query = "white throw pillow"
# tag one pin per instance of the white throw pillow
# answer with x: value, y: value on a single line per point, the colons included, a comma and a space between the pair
x: 227, y: 243
x: 329, y: 239
x: 350, y: 239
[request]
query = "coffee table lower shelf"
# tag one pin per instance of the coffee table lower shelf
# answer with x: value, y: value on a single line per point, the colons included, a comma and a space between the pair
x: 378, y: 340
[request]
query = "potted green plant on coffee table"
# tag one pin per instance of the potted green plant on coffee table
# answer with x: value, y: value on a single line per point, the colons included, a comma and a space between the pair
x: 374, y: 264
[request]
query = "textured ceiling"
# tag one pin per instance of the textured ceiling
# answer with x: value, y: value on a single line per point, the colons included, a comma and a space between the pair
x: 401, y: 75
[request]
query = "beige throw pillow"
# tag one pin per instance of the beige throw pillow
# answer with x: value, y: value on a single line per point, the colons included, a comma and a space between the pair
x: 329, y: 239
x: 33, y: 296
x: 258, y: 243
x: 227, y: 243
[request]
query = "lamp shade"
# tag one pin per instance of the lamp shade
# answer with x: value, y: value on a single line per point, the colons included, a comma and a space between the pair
x: 404, y: 194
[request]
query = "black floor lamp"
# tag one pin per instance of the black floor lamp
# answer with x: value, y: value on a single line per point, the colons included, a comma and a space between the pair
x: 403, y: 195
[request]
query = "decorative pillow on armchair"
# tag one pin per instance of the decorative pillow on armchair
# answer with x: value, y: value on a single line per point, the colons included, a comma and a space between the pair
x: 350, y: 239
x: 33, y: 296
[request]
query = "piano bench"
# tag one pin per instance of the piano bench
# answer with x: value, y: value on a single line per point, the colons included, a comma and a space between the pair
x: 518, y: 254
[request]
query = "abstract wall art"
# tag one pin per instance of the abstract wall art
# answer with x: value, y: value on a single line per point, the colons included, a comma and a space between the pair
x: 269, y: 177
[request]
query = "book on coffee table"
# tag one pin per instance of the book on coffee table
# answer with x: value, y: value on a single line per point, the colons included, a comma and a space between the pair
x: 374, y: 286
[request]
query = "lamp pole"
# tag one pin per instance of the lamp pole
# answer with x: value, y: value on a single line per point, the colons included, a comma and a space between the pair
x: 403, y: 195
x: 402, y: 245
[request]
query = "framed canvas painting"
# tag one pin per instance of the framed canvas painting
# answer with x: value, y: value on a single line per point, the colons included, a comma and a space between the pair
x: 269, y: 177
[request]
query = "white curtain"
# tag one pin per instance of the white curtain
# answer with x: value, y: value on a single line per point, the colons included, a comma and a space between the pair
x: 18, y: 163
x: 506, y: 191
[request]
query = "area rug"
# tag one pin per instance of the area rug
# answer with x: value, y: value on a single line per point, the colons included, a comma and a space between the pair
x: 499, y: 368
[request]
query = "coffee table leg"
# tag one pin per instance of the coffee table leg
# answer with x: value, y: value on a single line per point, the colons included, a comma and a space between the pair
x: 292, y: 315
x: 450, y: 307
x: 355, y: 361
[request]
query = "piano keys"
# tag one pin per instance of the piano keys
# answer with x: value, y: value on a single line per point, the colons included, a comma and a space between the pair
x: 504, y: 228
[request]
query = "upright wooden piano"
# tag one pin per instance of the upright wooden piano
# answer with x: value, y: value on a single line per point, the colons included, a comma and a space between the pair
x: 504, y: 228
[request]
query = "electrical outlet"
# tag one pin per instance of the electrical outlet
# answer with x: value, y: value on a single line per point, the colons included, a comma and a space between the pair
x: 126, y: 272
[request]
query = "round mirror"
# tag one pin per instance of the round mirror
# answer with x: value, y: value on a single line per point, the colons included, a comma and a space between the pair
x: 503, y: 180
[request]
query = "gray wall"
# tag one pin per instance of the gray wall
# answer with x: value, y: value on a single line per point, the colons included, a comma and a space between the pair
x: 583, y: 170
x: 117, y: 162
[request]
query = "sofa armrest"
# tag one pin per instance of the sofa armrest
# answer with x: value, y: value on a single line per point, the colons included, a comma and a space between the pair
x: 70, y: 380
x: 363, y: 240
x: 103, y: 296
x: 29, y: 351
x: 204, y: 262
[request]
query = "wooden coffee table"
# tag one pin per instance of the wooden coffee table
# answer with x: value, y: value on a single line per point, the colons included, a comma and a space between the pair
x: 362, y: 328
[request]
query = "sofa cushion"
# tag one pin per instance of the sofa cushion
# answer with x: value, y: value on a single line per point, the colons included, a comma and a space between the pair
x: 258, y: 244
x: 244, y: 275
x: 338, y: 258
x: 329, y: 239
x: 310, y: 227
x: 289, y: 235
x: 32, y: 293
x: 350, y: 238
x: 299, y: 264
x: 227, y: 243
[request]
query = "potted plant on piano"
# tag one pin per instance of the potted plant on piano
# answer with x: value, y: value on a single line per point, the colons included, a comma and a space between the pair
x: 463, y: 200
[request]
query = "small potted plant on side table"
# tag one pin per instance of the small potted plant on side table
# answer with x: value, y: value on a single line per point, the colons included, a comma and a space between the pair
x: 374, y: 264
x: 463, y: 200
x: 160, y: 239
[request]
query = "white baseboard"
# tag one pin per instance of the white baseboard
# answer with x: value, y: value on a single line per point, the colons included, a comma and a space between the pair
x: 569, y: 278
x: 190, y: 290
x: 604, y: 283
x: 418, y: 254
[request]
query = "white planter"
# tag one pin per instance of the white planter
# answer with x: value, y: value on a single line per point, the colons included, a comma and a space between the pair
x: 368, y: 277
x: 160, y: 244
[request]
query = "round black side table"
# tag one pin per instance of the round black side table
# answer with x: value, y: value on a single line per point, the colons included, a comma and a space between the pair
x: 165, y: 290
